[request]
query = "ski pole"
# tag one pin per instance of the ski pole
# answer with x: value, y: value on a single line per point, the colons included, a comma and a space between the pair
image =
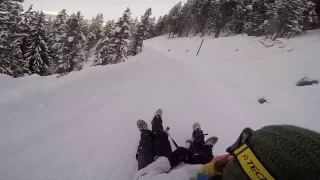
x: 167, y: 132
x: 200, y: 47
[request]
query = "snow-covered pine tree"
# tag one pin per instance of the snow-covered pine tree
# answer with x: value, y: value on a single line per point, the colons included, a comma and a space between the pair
x: 142, y: 33
x: 223, y: 13
x: 137, y: 41
x: 26, y: 26
x: 258, y: 18
x: 57, y: 37
x: 310, y: 17
x: 271, y: 22
x: 109, y: 52
x: 187, y: 19
x: 289, y: 17
x: 37, y: 52
x: 119, y: 44
x: 254, y: 17
x: 196, y: 11
x: 162, y: 24
x: 145, y: 24
x: 241, y: 18
x: 95, y: 30
x: 173, y: 19
x: 107, y: 29
x: 48, y: 26
x: 134, y: 26
x: 151, y: 28
x: 74, y: 48
x: 102, y: 48
x: 317, y: 2
x: 203, y: 8
x: 157, y: 32
x: 201, y: 13
x: 11, y: 61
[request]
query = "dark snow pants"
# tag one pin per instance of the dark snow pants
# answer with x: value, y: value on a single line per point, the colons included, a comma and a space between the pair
x: 202, y: 151
x: 152, y: 144
x: 155, y: 143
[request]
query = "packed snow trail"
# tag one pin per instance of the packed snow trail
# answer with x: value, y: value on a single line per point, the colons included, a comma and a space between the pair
x: 83, y: 126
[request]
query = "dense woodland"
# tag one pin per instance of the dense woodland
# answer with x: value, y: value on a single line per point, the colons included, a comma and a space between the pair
x: 31, y: 43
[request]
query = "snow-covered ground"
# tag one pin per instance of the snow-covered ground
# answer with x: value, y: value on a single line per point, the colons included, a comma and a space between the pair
x: 83, y: 126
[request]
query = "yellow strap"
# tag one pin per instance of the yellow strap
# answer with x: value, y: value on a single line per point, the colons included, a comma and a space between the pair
x: 251, y: 165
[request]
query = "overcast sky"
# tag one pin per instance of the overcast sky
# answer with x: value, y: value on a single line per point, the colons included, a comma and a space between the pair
x: 111, y: 9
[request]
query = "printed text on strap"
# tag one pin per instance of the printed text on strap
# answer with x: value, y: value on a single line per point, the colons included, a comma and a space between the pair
x: 251, y: 165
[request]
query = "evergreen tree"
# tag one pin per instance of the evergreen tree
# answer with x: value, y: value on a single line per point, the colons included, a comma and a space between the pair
x: 26, y: 26
x: 102, y: 49
x: 145, y: 24
x: 254, y: 17
x: 202, y: 10
x: 134, y: 26
x: 107, y: 30
x: 162, y: 24
x: 173, y: 19
x: 310, y: 17
x: 196, y: 11
x: 242, y: 18
x: 289, y: 17
x: 11, y: 57
x: 317, y: 2
x: 151, y: 28
x: 187, y: 18
x: 223, y: 14
x: 259, y: 16
x: 102, y: 53
x: 57, y: 37
x: 48, y: 24
x: 120, y: 42
x: 95, y: 30
x: 141, y: 33
x: 74, y: 47
x: 157, y: 28
x: 138, y: 40
x: 37, y: 52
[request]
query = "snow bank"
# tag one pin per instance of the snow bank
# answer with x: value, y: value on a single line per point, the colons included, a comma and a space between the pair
x: 251, y: 70
x: 83, y: 126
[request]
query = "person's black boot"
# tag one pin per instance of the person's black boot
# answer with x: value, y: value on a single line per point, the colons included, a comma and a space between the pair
x: 144, y: 154
x: 157, y: 121
x: 197, y: 134
x: 142, y: 125
x: 202, y: 151
x: 211, y: 141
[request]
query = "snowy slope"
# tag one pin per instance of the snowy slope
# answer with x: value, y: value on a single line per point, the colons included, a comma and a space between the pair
x: 83, y: 126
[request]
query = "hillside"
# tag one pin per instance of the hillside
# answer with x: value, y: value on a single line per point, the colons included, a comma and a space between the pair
x: 83, y: 125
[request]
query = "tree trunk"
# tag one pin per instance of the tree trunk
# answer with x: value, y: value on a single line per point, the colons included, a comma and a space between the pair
x: 180, y: 33
x: 188, y: 32
x: 277, y: 34
x: 217, y: 32
x: 204, y: 29
x: 275, y: 37
x: 196, y: 32
x: 210, y: 28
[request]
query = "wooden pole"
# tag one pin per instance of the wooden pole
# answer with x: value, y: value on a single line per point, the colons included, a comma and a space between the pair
x: 200, y: 47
